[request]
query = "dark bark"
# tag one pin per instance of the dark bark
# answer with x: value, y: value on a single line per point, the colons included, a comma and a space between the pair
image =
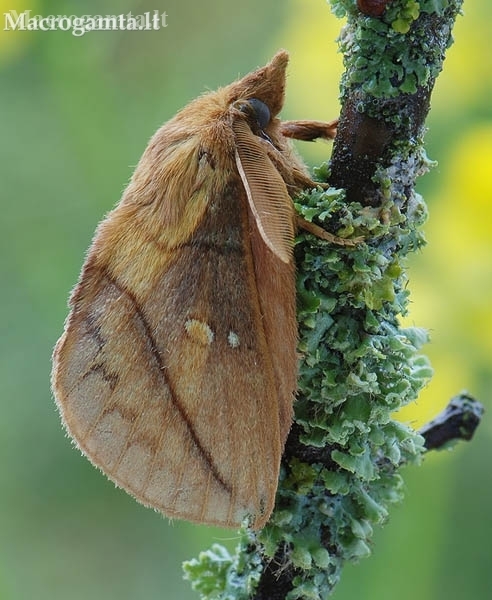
x: 364, y: 143
x: 458, y: 421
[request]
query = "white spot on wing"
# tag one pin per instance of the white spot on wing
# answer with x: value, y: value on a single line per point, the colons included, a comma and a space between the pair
x: 233, y: 339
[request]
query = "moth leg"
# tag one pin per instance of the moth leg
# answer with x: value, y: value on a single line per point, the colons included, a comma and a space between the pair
x: 302, y: 181
x: 309, y: 131
x: 321, y: 233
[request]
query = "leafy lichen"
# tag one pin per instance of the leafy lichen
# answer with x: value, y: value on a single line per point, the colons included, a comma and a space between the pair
x: 391, y: 55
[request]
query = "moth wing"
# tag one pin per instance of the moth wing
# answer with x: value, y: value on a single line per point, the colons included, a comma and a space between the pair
x: 267, y: 194
x: 164, y: 378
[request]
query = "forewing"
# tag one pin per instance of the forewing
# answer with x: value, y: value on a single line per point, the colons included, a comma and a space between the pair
x: 166, y: 383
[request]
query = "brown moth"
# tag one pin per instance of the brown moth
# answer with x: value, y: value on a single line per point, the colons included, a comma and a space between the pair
x: 176, y: 372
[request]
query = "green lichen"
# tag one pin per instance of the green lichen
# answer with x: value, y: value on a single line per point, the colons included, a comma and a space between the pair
x: 390, y: 55
x: 217, y: 574
x: 359, y: 366
x: 402, y: 15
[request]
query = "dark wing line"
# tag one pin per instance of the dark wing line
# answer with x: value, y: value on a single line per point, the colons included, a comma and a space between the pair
x: 160, y: 365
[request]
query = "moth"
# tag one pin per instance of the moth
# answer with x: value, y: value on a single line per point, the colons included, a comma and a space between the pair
x: 176, y: 372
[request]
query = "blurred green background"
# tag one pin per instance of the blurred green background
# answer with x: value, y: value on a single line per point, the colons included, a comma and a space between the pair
x: 76, y: 113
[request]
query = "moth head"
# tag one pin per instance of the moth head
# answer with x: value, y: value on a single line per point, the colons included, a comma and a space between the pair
x: 265, y: 86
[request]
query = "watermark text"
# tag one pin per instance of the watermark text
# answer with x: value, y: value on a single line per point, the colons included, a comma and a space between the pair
x: 78, y: 26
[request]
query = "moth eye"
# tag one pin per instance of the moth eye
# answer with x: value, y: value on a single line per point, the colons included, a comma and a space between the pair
x: 255, y: 110
x: 261, y: 111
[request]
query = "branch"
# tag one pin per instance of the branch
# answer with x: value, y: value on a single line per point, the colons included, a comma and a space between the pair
x: 340, y: 469
x: 391, y: 67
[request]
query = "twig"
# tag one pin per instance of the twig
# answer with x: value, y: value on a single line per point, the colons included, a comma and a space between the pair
x: 458, y: 421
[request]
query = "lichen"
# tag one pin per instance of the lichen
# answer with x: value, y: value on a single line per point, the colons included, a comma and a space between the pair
x: 391, y: 54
